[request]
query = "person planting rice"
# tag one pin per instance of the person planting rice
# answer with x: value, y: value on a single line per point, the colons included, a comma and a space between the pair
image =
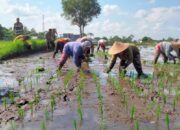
x: 128, y: 54
x: 59, y: 45
x: 24, y: 39
x: 102, y: 44
x: 165, y: 48
x: 76, y: 50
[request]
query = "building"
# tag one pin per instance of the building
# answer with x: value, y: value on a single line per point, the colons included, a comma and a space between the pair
x: 71, y: 36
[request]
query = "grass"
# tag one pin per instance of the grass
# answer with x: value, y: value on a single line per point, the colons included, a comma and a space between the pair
x: 167, y: 121
x: 9, y: 49
x: 13, y: 125
x: 132, y: 112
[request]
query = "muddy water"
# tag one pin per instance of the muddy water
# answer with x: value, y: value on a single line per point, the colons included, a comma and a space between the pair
x: 22, y: 72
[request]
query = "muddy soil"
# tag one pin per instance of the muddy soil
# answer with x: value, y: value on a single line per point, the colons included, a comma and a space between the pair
x: 36, y: 81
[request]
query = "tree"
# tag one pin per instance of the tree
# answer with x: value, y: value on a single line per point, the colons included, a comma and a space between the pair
x: 33, y: 32
x: 6, y: 34
x: 80, y: 12
x: 170, y: 39
x: 147, y: 39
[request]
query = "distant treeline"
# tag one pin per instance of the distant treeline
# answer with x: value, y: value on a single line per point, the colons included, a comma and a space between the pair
x: 130, y: 39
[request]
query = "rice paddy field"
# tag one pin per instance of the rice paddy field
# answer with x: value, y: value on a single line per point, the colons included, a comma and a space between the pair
x: 9, y: 49
x: 34, y: 95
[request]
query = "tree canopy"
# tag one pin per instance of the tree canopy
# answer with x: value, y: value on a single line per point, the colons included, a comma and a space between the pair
x: 80, y: 12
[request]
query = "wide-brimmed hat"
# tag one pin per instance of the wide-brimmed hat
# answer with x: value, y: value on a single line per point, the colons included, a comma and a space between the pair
x: 118, y: 47
x: 85, y: 38
x: 86, y: 44
x: 176, y: 46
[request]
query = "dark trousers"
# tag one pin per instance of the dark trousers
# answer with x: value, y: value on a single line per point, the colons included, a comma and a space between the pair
x: 50, y: 45
x: 136, y: 63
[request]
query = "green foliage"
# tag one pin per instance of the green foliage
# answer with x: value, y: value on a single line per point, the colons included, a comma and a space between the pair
x: 75, y: 125
x: 52, y: 103
x: 5, y: 102
x: 167, y: 120
x: 13, y: 125
x: 132, y: 112
x: 9, y: 49
x: 43, y: 125
x: 6, y: 34
x: 136, y: 125
x: 158, y: 112
x: 80, y: 12
x: 21, y: 113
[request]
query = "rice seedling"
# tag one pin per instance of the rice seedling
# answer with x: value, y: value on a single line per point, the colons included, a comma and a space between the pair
x: 11, y: 97
x: 158, y: 112
x: 80, y: 112
x: 46, y: 114
x: 164, y: 97
x: 21, y: 114
x: 174, y: 104
x: 43, y: 125
x: 52, y: 103
x: 75, y: 125
x: 31, y: 85
x: 5, y: 103
x: 67, y: 78
x: 79, y: 109
x: 13, y: 125
x: 132, y: 112
x: 36, y: 98
x: 167, y: 121
x: 31, y: 108
x: 136, y: 125
x: 125, y: 100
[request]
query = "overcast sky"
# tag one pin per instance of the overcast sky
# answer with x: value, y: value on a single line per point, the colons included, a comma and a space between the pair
x: 154, y: 18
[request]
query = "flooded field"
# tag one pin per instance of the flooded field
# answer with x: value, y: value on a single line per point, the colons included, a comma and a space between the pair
x: 34, y: 95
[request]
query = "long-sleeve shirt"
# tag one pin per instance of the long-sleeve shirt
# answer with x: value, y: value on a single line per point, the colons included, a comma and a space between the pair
x: 127, y: 56
x: 73, y: 49
x: 166, y: 48
x: 18, y: 28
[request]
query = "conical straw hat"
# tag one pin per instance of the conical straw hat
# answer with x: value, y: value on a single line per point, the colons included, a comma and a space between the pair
x: 117, y: 48
x: 176, y: 46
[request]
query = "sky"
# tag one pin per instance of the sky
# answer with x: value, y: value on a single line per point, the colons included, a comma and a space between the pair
x: 154, y: 18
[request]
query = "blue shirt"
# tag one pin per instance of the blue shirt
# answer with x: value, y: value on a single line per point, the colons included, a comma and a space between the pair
x: 74, y: 50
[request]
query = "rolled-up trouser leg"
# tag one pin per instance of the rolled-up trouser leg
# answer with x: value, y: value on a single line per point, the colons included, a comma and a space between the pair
x: 137, y: 64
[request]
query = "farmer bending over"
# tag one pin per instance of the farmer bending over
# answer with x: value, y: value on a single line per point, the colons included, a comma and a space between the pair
x: 165, y: 49
x: 128, y: 54
x: 59, y: 45
x: 24, y: 39
x: 102, y: 44
x: 76, y: 50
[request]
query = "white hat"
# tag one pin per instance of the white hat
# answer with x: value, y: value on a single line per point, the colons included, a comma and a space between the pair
x: 86, y: 44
